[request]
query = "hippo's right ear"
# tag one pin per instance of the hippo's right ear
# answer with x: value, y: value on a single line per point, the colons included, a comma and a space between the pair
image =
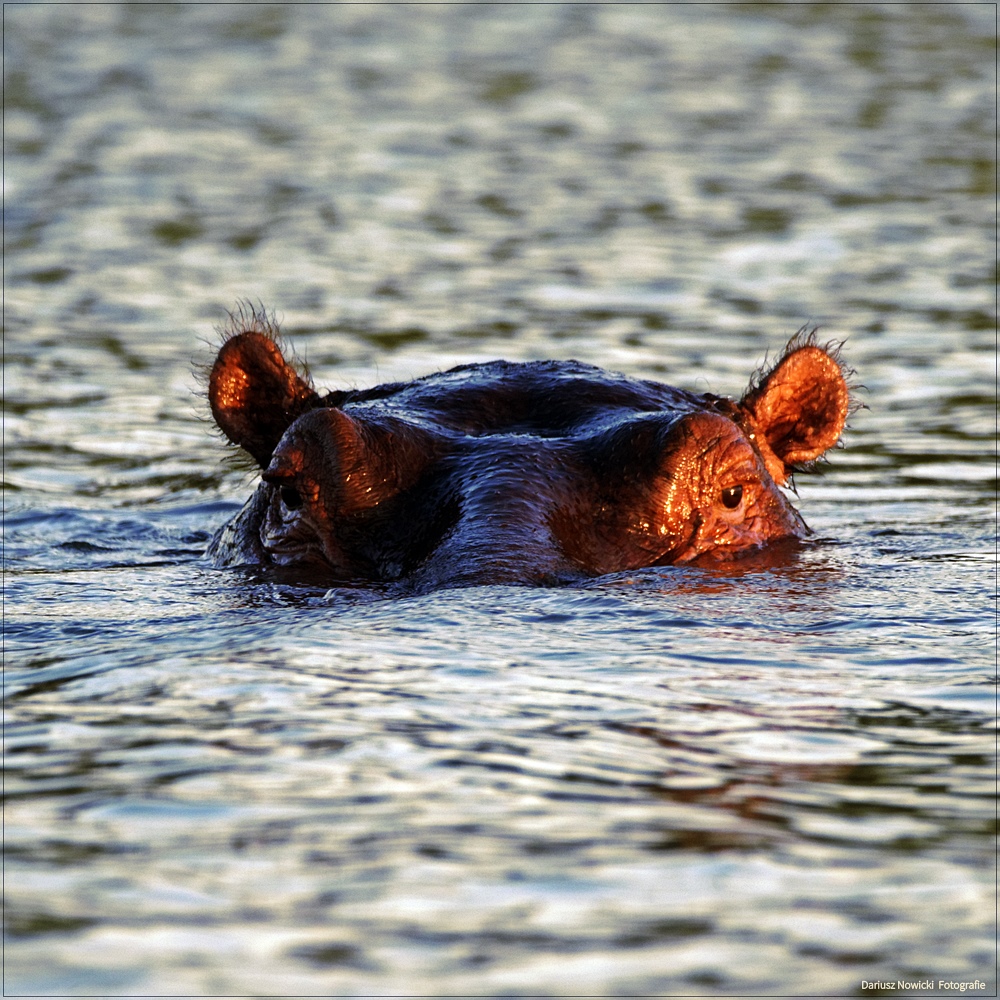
x: 802, y: 403
x: 256, y: 395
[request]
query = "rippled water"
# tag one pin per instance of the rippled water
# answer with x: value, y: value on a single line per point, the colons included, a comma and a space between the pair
x: 776, y: 779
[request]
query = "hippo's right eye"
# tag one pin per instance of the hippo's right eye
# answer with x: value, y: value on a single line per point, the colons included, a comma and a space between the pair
x: 291, y: 497
x: 732, y: 496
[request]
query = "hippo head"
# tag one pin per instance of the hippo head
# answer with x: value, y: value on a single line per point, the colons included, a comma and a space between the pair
x: 532, y: 473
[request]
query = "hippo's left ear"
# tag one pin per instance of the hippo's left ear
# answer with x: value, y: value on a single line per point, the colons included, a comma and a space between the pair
x: 256, y: 395
x: 801, y: 404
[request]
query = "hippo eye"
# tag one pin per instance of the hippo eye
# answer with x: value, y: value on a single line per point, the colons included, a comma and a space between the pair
x: 291, y: 497
x: 732, y: 496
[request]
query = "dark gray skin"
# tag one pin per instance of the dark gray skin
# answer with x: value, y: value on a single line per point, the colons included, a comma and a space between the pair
x: 538, y: 473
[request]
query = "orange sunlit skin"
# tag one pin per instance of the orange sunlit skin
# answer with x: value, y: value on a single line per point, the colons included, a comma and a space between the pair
x: 537, y: 473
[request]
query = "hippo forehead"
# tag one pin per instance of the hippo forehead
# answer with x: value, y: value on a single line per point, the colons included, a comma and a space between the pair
x: 544, y: 399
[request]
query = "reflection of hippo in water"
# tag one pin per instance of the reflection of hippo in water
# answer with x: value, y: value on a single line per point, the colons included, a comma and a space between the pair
x: 541, y: 472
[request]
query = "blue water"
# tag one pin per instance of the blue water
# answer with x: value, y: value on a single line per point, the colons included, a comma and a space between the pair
x: 776, y: 778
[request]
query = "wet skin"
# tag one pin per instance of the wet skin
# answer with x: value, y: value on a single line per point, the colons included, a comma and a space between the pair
x: 536, y: 473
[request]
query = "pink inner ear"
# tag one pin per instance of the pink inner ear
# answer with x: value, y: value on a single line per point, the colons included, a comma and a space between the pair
x: 801, y: 406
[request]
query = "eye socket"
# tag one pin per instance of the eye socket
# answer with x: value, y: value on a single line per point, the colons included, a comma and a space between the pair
x: 291, y: 497
x: 732, y: 496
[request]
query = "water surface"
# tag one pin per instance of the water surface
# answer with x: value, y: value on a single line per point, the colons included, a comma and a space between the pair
x: 773, y: 779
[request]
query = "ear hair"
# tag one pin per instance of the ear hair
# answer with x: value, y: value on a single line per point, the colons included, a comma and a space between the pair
x: 806, y: 337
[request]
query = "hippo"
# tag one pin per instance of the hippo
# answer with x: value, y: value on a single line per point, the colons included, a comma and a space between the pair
x: 536, y: 473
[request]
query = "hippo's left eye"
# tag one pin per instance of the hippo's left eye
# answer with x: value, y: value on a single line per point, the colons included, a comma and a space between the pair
x: 732, y: 497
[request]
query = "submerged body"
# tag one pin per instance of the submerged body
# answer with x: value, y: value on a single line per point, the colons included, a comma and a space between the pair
x: 538, y: 473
